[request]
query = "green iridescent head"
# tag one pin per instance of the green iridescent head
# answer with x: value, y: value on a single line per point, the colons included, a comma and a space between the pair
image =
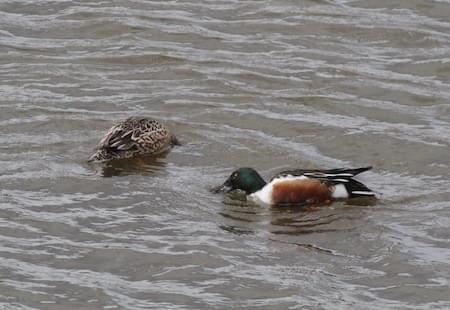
x: 245, y: 179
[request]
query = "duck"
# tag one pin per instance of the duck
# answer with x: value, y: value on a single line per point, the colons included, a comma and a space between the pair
x: 134, y: 136
x: 299, y: 186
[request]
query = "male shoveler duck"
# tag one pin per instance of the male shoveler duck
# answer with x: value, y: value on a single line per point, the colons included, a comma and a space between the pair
x: 132, y: 137
x: 301, y: 186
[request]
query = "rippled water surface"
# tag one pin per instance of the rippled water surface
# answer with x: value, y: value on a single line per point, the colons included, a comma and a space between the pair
x: 267, y: 84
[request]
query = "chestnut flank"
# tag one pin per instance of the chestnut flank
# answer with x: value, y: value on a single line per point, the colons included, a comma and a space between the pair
x: 300, y: 191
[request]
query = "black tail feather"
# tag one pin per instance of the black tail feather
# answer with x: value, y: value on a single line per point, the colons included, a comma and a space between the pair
x: 357, y: 189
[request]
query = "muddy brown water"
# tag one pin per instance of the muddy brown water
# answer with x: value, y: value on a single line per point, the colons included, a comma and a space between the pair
x: 267, y: 84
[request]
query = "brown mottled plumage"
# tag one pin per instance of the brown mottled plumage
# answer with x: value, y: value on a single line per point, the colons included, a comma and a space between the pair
x: 132, y: 137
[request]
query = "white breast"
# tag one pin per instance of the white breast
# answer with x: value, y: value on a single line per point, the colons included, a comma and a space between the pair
x: 264, y: 195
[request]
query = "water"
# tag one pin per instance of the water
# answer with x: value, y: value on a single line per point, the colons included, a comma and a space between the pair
x: 267, y: 84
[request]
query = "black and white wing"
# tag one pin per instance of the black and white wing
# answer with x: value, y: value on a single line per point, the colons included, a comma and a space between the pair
x: 334, y: 177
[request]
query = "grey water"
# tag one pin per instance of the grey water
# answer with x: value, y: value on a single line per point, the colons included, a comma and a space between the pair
x: 267, y: 84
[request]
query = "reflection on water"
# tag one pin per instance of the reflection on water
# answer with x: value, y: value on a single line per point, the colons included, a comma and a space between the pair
x: 144, y: 165
x: 291, y: 219
x: 273, y: 85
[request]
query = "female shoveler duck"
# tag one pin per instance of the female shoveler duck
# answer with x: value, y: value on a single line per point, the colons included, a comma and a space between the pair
x: 302, y: 186
x: 132, y: 137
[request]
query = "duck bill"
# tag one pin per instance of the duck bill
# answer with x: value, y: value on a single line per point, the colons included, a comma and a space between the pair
x: 224, y: 188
